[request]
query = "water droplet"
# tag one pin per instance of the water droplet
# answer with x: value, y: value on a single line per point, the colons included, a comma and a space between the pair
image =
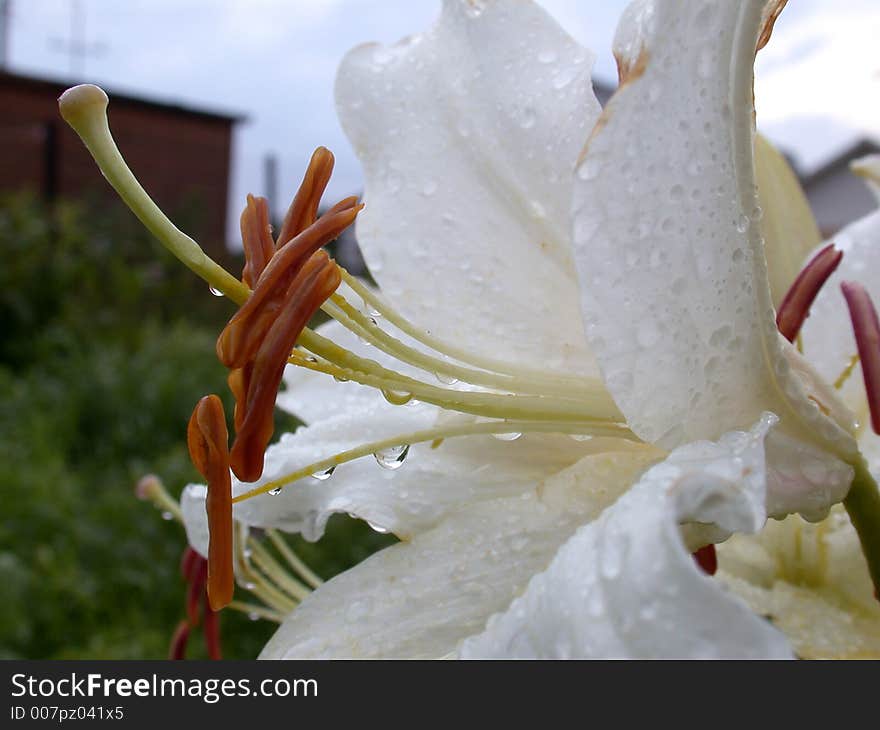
x: 324, y: 475
x: 547, y: 56
x: 340, y: 379
x: 312, y: 359
x: 275, y: 491
x: 396, y: 397
x: 581, y: 436
x: 528, y: 117
x: 216, y: 292
x: 742, y: 223
x: 446, y: 379
x: 378, y: 528
x: 249, y: 586
x: 429, y: 188
x: 565, y: 77
x: 253, y: 616
x: 512, y: 436
x: 167, y: 516
x: 393, y: 457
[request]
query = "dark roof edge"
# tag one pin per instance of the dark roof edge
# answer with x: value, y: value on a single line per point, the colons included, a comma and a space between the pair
x: 858, y: 148
x: 57, y: 86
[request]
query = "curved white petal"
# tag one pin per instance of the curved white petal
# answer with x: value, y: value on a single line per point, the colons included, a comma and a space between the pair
x: 468, y: 135
x: 429, y: 484
x: 420, y: 599
x: 667, y: 237
x: 195, y: 517
x: 811, y: 581
x: 625, y: 586
x: 787, y: 223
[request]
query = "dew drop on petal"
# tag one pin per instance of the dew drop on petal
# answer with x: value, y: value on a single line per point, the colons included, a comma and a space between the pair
x: 446, y: 379
x: 393, y: 457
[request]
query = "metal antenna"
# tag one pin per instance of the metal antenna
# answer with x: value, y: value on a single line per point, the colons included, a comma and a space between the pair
x: 77, y: 48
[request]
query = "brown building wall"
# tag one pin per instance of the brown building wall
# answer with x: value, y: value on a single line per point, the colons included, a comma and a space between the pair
x: 180, y: 156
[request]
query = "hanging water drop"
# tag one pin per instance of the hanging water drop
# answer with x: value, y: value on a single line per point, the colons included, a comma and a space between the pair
x: 275, y: 491
x: 446, y: 379
x: 340, y: 379
x: 397, y: 397
x: 167, y: 516
x: 324, y: 475
x: 392, y: 457
x: 215, y: 291
x: 253, y: 616
x: 512, y: 436
x: 378, y: 528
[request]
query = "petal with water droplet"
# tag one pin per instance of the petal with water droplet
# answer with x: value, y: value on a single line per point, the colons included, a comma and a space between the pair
x: 475, y: 112
x: 421, y: 598
x: 625, y: 586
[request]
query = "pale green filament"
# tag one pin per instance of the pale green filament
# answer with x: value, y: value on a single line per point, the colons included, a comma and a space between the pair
x: 349, y: 317
x: 596, y: 429
x: 271, y: 568
x: 293, y: 560
x: 485, y: 363
x: 345, y: 365
x: 256, y: 611
x: 85, y: 109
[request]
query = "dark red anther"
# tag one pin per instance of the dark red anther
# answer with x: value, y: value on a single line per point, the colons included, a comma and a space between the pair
x: 707, y: 559
x: 177, y: 649
x: 212, y: 633
x: 795, y: 307
x: 867, y: 332
x: 196, y: 589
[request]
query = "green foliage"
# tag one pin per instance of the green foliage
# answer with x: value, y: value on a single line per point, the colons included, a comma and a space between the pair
x: 107, y: 344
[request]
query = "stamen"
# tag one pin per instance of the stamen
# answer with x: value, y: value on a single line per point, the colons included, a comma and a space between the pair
x: 256, y: 239
x: 349, y: 317
x: 795, y: 306
x: 212, y: 634
x: 303, y: 211
x: 867, y: 332
x: 177, y: 649
x: 293, y: 560
x: 485, y: 363
x: 248, y: 327
x: 707, y: 559
x: 847, y: 371
x: 255, y: 611
x: 84, y: 108
x: 595, y: 429
x: 207, y: 439
x: 318, y: 279
x: 345, y: 365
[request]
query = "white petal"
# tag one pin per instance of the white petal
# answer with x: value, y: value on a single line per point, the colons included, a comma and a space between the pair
x: 468, y: 134
x: 407, y: 500
x: 625, y: 586
x: 195, y: 517
x: 420, y: 599
x: 668, y: 242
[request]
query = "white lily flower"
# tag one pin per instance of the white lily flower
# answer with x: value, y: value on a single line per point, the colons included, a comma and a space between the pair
x: 470, y: 134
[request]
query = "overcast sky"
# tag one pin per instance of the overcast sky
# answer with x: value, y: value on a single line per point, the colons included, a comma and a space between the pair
x: 817, y: 89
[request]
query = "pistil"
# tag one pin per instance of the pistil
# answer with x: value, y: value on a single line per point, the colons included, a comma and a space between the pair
x: 795, y: 306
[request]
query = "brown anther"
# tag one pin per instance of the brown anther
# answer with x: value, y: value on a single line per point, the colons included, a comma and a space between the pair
x: 867, y: 332
x: 208, y: 440
x: 243, y: 334
x: 795, y: 306
x: 303, y: 211
x: 256, y: 238
x: 317, y: 280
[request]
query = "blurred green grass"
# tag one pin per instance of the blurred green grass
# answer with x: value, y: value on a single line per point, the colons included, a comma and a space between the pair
x: 107, y: 343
